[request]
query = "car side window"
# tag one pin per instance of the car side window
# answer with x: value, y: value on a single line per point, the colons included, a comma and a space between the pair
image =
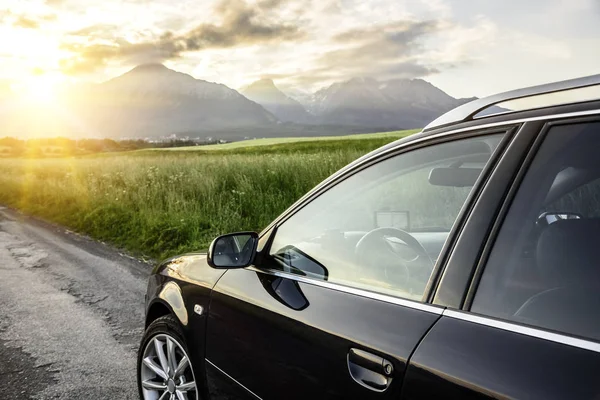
x: 544, y: 268
x: 383, y: 228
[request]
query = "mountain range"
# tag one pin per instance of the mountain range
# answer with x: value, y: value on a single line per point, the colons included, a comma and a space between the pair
x: 396, y: 104
x: 152, y: 101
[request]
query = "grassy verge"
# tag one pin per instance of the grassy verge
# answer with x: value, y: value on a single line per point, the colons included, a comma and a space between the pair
x: 160, y: 203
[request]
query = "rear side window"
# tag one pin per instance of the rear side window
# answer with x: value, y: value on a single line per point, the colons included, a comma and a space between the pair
x: 544, y: 269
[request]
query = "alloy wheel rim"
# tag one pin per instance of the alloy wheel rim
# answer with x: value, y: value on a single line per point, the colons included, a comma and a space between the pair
x: 166, y: 372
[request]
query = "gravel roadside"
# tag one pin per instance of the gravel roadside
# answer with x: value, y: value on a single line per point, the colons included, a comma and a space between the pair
x: 71, y: 314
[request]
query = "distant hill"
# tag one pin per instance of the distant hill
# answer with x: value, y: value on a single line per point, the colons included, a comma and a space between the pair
x: 152, y: 100
x: 286, y: 109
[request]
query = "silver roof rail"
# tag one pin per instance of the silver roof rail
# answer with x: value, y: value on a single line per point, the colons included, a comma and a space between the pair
x: 469, y: 110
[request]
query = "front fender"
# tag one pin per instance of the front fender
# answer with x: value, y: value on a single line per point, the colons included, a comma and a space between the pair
x: 171, y: 296
x: 178, y: 284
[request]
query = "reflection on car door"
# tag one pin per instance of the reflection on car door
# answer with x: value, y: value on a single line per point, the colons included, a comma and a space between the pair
x: 283, y: 339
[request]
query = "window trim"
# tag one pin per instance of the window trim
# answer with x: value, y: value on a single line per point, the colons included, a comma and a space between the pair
x: 401, y: 301
x: 508, y: 132
x: 523, y: 329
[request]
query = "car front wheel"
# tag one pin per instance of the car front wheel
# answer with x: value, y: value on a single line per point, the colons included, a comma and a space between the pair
x: 164, y: 367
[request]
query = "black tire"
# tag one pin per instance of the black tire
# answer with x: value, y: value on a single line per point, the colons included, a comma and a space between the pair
x: 166, y: 325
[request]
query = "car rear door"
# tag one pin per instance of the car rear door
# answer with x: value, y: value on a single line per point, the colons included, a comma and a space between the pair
x: 308, y: 320
x: 527, y: 324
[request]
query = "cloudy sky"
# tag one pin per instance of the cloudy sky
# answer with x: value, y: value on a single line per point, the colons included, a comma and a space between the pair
x: 465, y: 47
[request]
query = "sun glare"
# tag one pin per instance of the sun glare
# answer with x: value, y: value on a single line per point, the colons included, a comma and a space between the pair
x: 39, y: 89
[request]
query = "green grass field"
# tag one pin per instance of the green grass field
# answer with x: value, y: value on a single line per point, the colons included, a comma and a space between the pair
x: 295, y: 140
x: 159, y: 203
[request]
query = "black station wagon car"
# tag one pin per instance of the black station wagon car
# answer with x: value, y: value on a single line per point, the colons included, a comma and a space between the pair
x: 460, y: 262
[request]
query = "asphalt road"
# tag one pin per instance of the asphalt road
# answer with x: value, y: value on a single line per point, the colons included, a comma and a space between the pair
x: 71, y: 314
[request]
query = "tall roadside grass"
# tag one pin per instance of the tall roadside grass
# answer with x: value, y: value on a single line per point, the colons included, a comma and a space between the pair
x: 159, y: 204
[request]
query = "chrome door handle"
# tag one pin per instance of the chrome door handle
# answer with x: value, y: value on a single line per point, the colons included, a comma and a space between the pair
x: 371, y: 371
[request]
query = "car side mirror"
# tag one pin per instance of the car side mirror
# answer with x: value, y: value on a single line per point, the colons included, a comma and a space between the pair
x: 234, y: 250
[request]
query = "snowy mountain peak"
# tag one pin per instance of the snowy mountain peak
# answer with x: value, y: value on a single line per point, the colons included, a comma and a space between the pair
x: 265, y: 93
x: 397, y: 103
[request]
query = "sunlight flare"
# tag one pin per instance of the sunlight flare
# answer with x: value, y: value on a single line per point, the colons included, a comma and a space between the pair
x: 38, y: 89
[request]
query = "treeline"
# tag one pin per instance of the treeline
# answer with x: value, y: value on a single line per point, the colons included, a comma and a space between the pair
x: 56, y: 147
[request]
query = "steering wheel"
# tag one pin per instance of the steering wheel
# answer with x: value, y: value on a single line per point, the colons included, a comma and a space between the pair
x: 373, y: 245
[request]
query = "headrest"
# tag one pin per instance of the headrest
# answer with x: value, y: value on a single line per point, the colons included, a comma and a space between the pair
x: 568, y: 252
x: 582, y: 150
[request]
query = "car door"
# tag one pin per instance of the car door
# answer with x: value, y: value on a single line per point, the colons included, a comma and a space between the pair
x: 528, y: 326
x: 333, y: 307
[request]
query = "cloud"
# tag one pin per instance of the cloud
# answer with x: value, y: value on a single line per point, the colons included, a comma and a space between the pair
x: 397, y: 31
x: 384, y: 44
x: 298, y: 42
x: 382, y: 51
x: 241, y: 24
x: 96, y: 31
x: 25, y: 21
x: 91, y: 57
